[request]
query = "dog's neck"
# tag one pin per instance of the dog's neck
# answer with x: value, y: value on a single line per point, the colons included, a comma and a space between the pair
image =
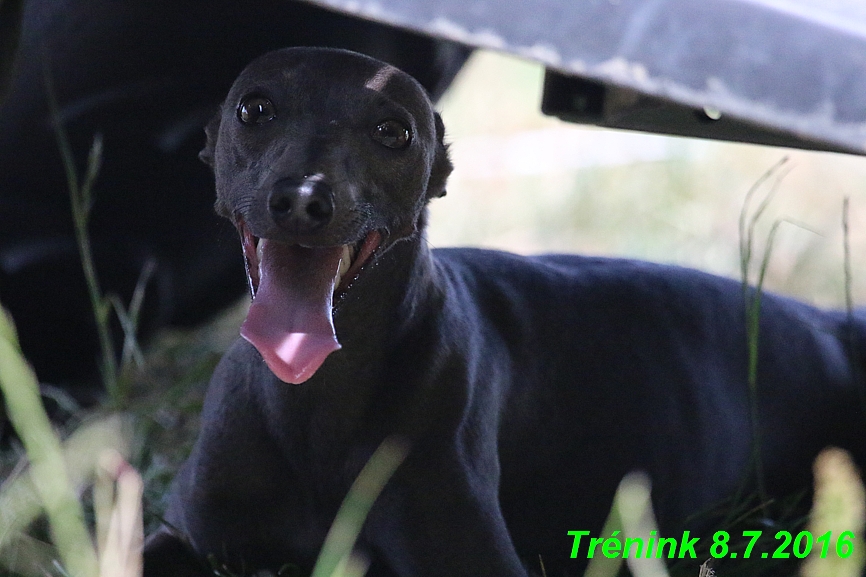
x: 400, y: 289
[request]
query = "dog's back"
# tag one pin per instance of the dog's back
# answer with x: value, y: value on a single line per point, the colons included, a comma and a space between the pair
x: 616, y: 365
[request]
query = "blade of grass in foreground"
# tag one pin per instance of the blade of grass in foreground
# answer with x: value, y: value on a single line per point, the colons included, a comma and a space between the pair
x: 631, y: 516
x: 19, y: 501
x: 336, y: 557
x: 48, y: 470
x: 117, y: 503
x: 840, y: 505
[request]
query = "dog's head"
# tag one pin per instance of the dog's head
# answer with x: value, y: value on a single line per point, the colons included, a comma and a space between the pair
x: 322, y: 158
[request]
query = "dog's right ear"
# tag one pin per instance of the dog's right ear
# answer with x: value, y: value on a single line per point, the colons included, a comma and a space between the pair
x: 211, y: 131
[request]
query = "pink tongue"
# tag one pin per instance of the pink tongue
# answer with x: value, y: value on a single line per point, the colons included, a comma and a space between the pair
x: 289, y: 321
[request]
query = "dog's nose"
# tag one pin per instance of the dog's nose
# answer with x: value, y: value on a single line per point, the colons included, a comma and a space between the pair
x: 302, y: 207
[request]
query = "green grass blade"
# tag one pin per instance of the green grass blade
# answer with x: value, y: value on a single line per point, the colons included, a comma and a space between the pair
x: 768, y: 198
x: 129, y: 323
x: 48, y: 469
x: 81, y: 202
x: 856, y: 370
x: 746, y: 225
x: 752, y: 303
x: 336, y: 555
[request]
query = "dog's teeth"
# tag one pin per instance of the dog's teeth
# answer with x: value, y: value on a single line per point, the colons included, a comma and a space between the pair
x: 345, y: 263
x: 259, y: 252
x: 345, y: 260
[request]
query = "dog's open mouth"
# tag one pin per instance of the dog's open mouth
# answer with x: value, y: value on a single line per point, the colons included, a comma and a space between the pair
x: 290, y: 320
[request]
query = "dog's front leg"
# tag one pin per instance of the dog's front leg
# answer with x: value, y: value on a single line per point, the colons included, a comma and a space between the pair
x: 443, y: 518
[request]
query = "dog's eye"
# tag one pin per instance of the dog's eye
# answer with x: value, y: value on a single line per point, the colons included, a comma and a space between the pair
x: 392, y: 133
x: 256, y: 110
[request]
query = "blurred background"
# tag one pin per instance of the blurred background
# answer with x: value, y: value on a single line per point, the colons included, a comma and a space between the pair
x: 528, y: 183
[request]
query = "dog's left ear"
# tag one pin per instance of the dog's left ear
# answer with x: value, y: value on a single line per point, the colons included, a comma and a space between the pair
x: 211, y: 131
x: 441, y: 164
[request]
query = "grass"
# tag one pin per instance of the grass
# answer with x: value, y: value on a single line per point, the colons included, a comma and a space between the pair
x: 54, y: 473
x: 48, y: 473
x: 337, y: 558
x: 632, y: 516
x: 752, y: 301
x: 115, y: 377
x: 96, y: 455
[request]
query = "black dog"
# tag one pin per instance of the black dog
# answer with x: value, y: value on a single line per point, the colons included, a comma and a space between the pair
x: 526, y: 387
